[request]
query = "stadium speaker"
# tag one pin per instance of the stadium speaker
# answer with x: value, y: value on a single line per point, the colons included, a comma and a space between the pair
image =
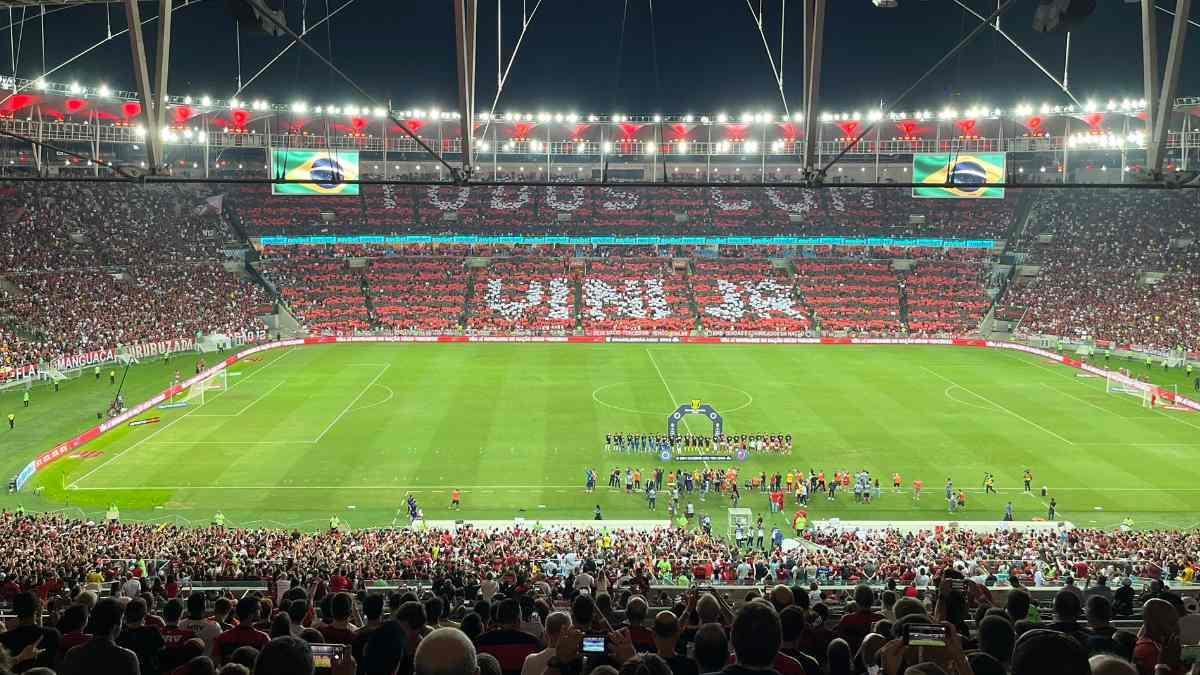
x: 450, y: 217
x: 328, y: 216
x: 1061, y: 15
x: 795, y: 219
x: 248, y: 15
x: 562, y: 217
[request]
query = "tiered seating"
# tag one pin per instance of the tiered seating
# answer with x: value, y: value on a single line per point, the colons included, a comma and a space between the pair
x: 1103, y: 241
x: 636, y: 296
x: 423, y: 294
x: 946, y: 297
x: 751, y: 296
x: 861, y: 297
x: 1111, y: 305
x: 322, y: 294
x: 729, y: 209
x: 82, y: 310
x: 524, y: 296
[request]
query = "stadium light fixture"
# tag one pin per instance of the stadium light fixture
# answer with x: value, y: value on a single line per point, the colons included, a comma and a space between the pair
x: 747, y: 117
x: 543, y: 117
x: 508, y: 146
x: 581, y: 147
x: 657, y: 119
x: 206, y: 100
x: 687, y: 119
x: 776, y: 146
x: 751, y: 147
x: 826, y: 117
x: 75, y: 88
x: 379, y: 112
x: 855, y: 115
x: 682, y: 147
x: 40, y: 84
x: 484, y: 116
x: 202, y: 136
x: 704, y: 119
x: 572, y: 118
x: 558, y: 117
x: 591, y: 118
x: 483, y: 146
x: 721, y: 118
x: 606, y: 146
x: 651, y: 148
x: 875, y: 115
x: 104, y: 91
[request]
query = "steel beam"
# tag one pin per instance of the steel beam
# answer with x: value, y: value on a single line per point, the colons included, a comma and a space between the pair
x: 1156, y: 149
x: 814, y: 34
x: 162, y: 63
x: 465, y: 12
x: 141, y: 74
x: 1150, y: 89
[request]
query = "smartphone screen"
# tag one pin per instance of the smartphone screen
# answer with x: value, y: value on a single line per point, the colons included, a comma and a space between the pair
x: 1189, y: 653
x: 925, y: 635
x: 593, y: 644
x: 325, y: 655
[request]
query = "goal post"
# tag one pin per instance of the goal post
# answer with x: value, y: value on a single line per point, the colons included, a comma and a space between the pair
x: 218, y: 381
x: 1120, y: 384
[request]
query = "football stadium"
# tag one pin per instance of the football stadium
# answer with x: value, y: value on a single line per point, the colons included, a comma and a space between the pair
x: 309, y: 374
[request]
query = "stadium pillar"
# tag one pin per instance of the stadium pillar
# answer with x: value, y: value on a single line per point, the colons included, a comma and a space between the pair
x: 465, y: 12
x: 1158, y: 112
x: 153, y: 104
x: 814, y: 31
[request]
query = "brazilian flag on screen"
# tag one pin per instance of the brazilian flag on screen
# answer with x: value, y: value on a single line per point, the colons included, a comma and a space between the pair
x: 327, y: 169
x: 958, y: 175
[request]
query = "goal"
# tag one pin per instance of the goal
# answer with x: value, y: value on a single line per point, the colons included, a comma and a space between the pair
x: 218, y: 381
x: 1121, y: 384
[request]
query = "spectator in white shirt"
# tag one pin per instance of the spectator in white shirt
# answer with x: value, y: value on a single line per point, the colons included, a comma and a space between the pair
x: 489, y: 588
x: 556, y: 624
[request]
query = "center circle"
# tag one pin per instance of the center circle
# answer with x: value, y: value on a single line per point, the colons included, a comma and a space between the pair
x: 597, y: 396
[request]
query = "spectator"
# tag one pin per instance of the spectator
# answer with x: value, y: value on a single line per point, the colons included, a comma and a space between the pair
x: 666, y: 640
x: 341, y: 631
x: 385, y: 652
x: 1099, y: 626
x: 1066, y: 615
x: 101, y: 653
x: 711, y: 648
x: 1047, y: 652
x: 1158, y: 640
x: 997, y: 638
x: 793, y: 624
x: 195, y: 622
x: 557, y: 623
x: 635, y: 616
x: 507, y: 642
x: 373, y: 612
x: 285, y: 656
x: 445, y: 651
x: 29, y: 630
x: 145, y: 641
x: 1107, y: 664
x: 756, y: 638
x: 854, y: 626
x: 838, y: 658
x: 243, y: 634
x: 244, y: 656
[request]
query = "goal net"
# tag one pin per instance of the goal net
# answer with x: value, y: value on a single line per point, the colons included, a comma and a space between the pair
x: 218, y: 381
x: 1120, y: 384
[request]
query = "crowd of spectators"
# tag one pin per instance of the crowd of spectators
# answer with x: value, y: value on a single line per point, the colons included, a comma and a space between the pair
x: 523, y: 296
x: 629, y: 295
x: 747, y: 296
x: 557, y: 209
x: 1098, y: 253
x: 418, y: 294
x: 946, y: 297
x: 859, y: 297
x: 521, y: 601
x: 325, y: 295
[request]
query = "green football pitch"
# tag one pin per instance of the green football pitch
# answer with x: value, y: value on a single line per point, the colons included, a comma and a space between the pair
x: 304, y: 433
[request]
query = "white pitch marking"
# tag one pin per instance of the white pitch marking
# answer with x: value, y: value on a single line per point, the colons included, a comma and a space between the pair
x: 250, y: 404
x: 348, y: 407
x: 674, y: 401
x: 177, y: 419
x: 1010, y: 412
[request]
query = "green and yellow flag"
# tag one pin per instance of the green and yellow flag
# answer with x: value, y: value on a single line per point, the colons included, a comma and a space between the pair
x: 327, y: 169
x: 957, y: 175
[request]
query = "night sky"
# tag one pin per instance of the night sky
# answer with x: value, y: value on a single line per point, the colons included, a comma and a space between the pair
x: 710, y: 57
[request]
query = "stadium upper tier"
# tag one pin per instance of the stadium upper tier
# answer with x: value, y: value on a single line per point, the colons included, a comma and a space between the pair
x: 90, y: 267
x: 733, y: 210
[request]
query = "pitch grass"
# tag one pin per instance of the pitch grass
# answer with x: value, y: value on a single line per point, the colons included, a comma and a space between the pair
x: 304, y: 433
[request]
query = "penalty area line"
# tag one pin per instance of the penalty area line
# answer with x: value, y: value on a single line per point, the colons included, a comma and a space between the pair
x: 997, y: 405
x: 168, y: 425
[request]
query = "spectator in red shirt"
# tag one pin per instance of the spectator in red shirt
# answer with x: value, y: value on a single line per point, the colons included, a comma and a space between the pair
x: 1158, y: 640
x: 243, y: 634
x: 640, y: 636
x: 854, y: 626
x: 175, y: 639
x: 507, y: 642
x: 341, y: 631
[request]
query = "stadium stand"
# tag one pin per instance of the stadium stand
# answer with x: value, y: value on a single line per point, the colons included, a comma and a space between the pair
x: 628, y: 295
x: 861, y: 297
x: 751, y: 296
x: 523, y: 296
x: 1119, y: 268
x: 324, y: 294
x: 421, y: 294
x: 945, y: 297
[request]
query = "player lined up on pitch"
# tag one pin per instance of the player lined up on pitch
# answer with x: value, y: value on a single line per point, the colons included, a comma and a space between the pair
x: 779, y: 444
